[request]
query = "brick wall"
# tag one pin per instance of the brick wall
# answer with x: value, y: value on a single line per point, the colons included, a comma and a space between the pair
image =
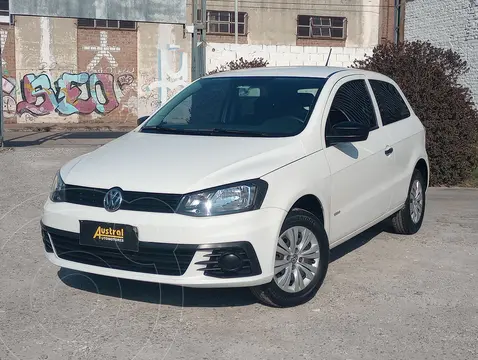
x: 450, y: 24
x: 57, y: 72
x: 283, y: 55
x: 387, y: 21
x: 320, y: 42
x: 111, y: 55
x: 230, y: 39
x: 7, y: 38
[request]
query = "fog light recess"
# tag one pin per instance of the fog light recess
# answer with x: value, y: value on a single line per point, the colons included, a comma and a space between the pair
x: 229, y: 260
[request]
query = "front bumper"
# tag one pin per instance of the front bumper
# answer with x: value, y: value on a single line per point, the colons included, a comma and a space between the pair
x: 256, y: 230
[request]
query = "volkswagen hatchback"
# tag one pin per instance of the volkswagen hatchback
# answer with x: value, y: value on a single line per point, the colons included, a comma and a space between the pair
x: 244, y: 179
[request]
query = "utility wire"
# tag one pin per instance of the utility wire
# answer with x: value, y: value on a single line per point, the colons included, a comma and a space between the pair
x: 300, y: 4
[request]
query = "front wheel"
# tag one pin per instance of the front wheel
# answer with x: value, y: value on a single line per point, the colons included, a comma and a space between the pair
x: 301, y: 262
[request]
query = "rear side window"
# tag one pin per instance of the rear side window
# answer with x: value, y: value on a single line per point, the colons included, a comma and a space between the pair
x: 353, y: 101
x: 390, y: 103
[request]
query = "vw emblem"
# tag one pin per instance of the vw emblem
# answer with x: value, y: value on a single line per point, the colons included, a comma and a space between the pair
x: 113, y: 199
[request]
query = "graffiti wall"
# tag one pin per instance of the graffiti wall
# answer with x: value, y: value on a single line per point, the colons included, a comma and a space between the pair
x: 172, y: 69
x: 109, y: 59
x: 70, y: 94
x: 7, y: 43
x: 64, y: 73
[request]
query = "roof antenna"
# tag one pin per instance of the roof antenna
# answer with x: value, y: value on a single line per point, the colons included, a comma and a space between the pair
x: 330, y: 52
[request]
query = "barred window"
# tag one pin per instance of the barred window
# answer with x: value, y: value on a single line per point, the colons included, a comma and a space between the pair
x: 321, y: 27
x: 4, y: 8
x: 223, y: 22
x: 106, y: 24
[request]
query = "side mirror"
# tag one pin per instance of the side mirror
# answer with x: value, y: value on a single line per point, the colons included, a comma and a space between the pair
x: 347, y: 132
x: 142, y: 119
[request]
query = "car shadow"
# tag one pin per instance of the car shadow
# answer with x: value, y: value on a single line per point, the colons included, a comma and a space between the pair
x: 189, y: 297
x: 156, y: 293
x: 359, y: 240
x: 37, y: 138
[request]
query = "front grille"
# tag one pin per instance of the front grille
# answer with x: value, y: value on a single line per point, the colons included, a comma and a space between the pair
x: 132, y: 200
x: 244, y: 250
x: 152, y: 258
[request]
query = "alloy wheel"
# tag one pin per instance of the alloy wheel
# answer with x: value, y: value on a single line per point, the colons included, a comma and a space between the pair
x: 416, y: 201
x: 297, y: 259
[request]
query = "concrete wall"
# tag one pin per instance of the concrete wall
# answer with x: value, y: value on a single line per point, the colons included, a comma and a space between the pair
x: 450, y: 24
x: 55, y: 72
x: 164, y: 64
x: 274, y: 22
x: 9, y: 80
x: 170, y: 11
x: 283, y: 55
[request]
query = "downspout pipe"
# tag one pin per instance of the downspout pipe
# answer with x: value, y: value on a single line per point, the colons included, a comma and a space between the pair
x: 396, y: 17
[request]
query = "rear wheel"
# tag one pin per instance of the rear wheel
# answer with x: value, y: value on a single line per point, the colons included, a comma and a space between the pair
x: 409, y: 219
x: 301, y: 262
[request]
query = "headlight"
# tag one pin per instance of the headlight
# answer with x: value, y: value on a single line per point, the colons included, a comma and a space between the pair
x: 229, y: 199
x: 57, y: 193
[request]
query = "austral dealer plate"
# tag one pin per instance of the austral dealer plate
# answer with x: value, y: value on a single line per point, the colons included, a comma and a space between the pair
x: 108, y: 235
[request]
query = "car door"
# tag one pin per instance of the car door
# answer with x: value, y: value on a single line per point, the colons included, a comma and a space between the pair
x: 404, y: 131
x: 359, y: 171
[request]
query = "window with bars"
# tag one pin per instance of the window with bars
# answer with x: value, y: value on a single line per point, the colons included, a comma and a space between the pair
x: 4, y: 8
x: 321, y: 27
x: 106, y: 24
x: 223, y: 22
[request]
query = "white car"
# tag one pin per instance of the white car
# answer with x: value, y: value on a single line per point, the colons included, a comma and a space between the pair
x: 244, y: 179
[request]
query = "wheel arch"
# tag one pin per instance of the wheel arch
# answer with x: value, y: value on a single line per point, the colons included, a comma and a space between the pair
x: 422, y: 166
x: 312, y: 204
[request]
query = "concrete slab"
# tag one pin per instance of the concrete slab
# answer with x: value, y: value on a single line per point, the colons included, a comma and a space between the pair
x: 385, y: 296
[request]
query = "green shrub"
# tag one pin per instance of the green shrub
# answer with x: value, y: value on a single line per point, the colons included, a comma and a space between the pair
x: 429, y: 77
x: 241, y: 64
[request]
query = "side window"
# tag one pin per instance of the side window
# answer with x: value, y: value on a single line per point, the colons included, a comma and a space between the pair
x: 352, y: 102
x: 390, y: 103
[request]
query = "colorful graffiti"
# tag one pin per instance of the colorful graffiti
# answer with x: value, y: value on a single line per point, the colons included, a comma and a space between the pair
x: 9, y: 103
x: 173, y: 75
x: 70, y: 94
x: 3, y: 41
x: 171, y: 81
x: 124, y: 80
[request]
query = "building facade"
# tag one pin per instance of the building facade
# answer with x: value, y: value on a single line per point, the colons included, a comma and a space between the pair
x: 451, y: 24
x: 68, y: 70
x: 336, y: 23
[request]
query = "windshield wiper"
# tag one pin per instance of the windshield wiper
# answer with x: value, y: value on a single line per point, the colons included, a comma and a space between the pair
x: 240, y: 132
x: 169, y: 130
x: 214, y: 131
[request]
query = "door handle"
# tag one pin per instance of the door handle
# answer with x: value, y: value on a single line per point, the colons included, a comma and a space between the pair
x: 388, y: 150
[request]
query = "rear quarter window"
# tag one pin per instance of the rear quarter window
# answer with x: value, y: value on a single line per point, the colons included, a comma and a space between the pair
x: 391, y: 105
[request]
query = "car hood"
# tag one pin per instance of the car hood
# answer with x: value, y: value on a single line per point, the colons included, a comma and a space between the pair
x: 166, y: 163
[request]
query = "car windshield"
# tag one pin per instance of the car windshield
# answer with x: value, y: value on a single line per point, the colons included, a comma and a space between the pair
x: 239, y: 106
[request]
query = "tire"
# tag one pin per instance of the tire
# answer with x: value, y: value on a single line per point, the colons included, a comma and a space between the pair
x: 272, y: 294
x: 403, y: 221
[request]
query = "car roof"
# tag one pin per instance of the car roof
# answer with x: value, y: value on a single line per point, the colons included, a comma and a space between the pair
x: 296, y: 71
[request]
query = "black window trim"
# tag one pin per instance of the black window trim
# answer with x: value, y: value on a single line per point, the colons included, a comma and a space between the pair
x: 311, y: 112
x: 6, y: 12
x: 230, y: 23
x: 311, y: 36
x: 107, y: 27
x: 402, y: 97
x: 371, y: 95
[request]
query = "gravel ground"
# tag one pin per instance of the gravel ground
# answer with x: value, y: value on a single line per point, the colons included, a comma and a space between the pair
x: 385, y: 296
